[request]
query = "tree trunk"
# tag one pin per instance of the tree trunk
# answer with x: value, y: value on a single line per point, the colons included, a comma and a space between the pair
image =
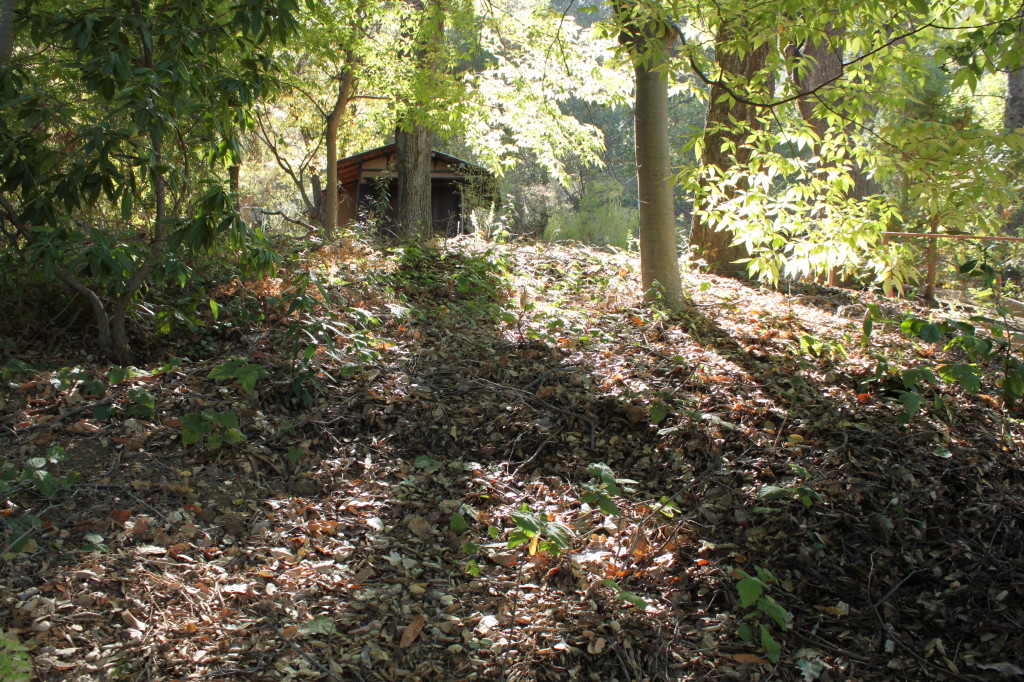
x: 7, y: 10
x: 659, y: 261
x: 317, y: 207
x: 413, y: 150
x: 715, y: 246
x: 1013, y: 121
x: 413, y: 139
x: 234, y: 176
x: 1013, y: 118
x: 346, y: 83
x: 824, y: 64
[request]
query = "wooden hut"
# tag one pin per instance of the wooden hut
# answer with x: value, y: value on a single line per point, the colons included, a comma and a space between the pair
x: 367, y: 186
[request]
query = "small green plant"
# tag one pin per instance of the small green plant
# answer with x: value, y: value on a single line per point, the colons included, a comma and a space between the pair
x: 15, y: 664
x: 763, y: 612
x: 37, y: 474
x: 217, y: 428
x: 240, y: 370
x: 796, y: 491
x: 985, y: 344
x: 542, y: 535
x: 606, y: 485
x: 821, y: 348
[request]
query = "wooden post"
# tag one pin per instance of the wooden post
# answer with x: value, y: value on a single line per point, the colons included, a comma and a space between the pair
x: 933, y: 266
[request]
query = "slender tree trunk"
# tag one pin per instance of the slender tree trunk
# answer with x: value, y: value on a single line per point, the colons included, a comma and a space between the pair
x: 121, y: 348
x: 346, y: 84
x: 7, y: 10
x: 234, y: 176
x: 659, y: 260
x: 715, y: 246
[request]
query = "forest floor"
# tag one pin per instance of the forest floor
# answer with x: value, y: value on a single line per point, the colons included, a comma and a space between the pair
x: 498, y: 464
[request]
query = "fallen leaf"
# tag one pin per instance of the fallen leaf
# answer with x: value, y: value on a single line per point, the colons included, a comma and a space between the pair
x: 412, y: 631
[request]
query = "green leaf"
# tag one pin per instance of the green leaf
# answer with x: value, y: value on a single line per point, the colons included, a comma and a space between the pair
x: 559, y: 535
x: 518, y: 537
x: 608, y: 506
x: 633, y: 599
x: 470, y: 547
x: 965, y: 375
x: 473, y: 568
x: 294, y: 454
x: 320, y: 625
x: 527, y: 522
x: 745, y: 632
x: 657, y: 411
x: 930, y: 333
x: 226, y: 419
x: 911, y: 403
x: 772, y: 648
x: 15, y: 664
x: 458, y: 523
x: 44, y: 481
x: 769, y: 607
x: 750, y: 590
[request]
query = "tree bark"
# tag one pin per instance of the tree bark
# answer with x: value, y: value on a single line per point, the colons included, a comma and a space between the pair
x: 413, y: 149
x: 1013, y: 121
x: 659, y: 260
x: 413, y: 139
x: 715, y: 246
x: 1013, y: 117
x: 7, y: 10
x: 346, y: 84
x: 824, y: 63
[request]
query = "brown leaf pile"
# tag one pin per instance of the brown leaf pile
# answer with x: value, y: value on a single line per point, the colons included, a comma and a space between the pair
x: 367, y: 537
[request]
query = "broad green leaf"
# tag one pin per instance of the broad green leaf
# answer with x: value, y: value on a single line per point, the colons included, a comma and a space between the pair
x: 458, y: 523
x: 658, y: 411
x: 771, y: 647
x: 750, y: 590
x: 769, y: 607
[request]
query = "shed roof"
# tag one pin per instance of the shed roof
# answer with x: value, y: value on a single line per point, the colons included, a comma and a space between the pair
x: 349, y: 167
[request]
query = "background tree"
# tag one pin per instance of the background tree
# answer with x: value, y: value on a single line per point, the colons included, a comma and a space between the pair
x: 100, y: 167
x: 647, y: 35
x: 740, y: 59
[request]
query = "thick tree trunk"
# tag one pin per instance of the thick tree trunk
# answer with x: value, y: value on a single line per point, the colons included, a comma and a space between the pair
x: 824, y: 63
x: 715, y: 246
x: 413, y: 150
x: 659, y: 261
x: 346, y: 83
x: 413, y: 139
x: 7, y: 9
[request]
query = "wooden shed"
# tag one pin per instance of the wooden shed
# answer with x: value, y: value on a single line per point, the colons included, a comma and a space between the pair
x: 368, y: 187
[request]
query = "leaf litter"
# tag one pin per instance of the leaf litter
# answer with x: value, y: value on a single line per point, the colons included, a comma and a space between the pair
x: 366, y: 536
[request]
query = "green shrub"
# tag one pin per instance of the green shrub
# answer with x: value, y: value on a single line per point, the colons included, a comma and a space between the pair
x: 601, y: 220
